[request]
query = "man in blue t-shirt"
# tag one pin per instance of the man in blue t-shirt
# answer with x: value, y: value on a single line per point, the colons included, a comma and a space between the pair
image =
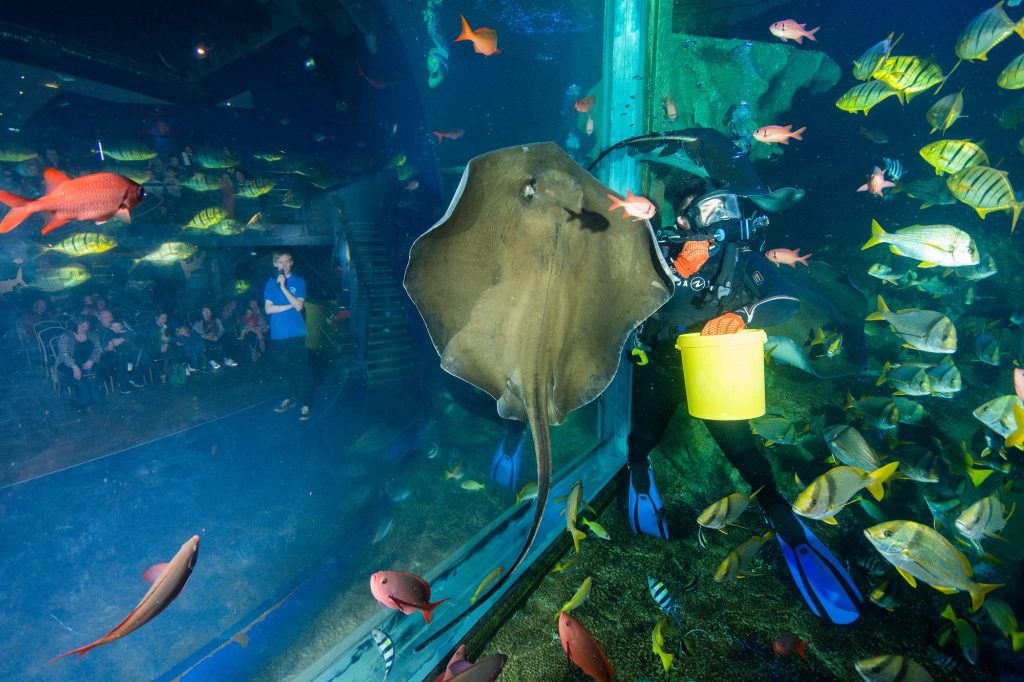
x: 284, y: 298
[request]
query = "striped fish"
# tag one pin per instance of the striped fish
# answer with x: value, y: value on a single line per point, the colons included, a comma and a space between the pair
x: 216, y: 158
x: 1012, y: 77
x: 202, y: 183
x: 864, y: 96
x: 909, y: 75
x: 386, y: 648
x: 873, y: 57
x: 945, y: 112
x: 985, y: 189
x: 129, y: 152
x: 984, y: 32
x: 207, y: 218
x: 953, y: 156
x: 83, y: 244
x: 893, y: 168
x: 663, y: 599
x: 254, y: 188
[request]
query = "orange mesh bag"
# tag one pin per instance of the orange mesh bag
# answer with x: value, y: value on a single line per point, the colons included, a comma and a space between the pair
x: 730, y: 323
x: 692, y: 257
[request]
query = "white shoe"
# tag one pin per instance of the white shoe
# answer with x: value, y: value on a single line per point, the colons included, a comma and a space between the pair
x: 214, y: 364
x: 230, y: 363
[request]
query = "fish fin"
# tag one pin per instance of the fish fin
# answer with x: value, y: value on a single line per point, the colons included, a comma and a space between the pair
x: 810, y: 34
x: 978, y: 476
x: 53, y: 178
x: 880, y: 476
x: 754, y: 494
x: 863, y: 188
x: 877, y: 315
x: 53, y: 223
x: 13, y: 200
x: 123, y: 214
x: 876, y: 234
x: 577, y: 535
x: 81, y: 651
x: 906, y: 576
x: 927, y: 264
x: 831, y: 520
x: 1016, y: 210
x: 978, y: 596
x: 14, y: 218
x: 467, y: 32
x: 796, y: 134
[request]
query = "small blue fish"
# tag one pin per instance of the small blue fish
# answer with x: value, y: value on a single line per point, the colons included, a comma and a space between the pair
x: 893, y: 168
x: 663, y: 599
x: 386, y: 648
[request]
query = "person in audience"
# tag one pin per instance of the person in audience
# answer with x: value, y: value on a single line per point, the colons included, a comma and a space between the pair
x: 254, y: 330
x: 78, y: 352
x: 211, y: 330
x: 122, y: 357
x: 155, y: 341
x: 191, y: 346
x: 39, y: 312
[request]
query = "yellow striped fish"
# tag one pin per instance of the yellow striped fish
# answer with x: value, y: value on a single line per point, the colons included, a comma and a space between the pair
x: 909, y: 75
x: 83, y: 244
x: 139, y: 175
x: 129, y: 152
x: 945, y: 112
x: 229, y: 227
x: 257, y: 224
x: 216, y: 158
x: 60, y: 278
x: 254, y: 188
x: 864, y: 96
x: 207, y: 218
x: 169, y: 253
x: 16, y: 154
x: 202, y: 183
x: 1012, y: 77
x: 952, y: 156
x: 873, y: 57
x: 984, y: 32
x: 985, y: 189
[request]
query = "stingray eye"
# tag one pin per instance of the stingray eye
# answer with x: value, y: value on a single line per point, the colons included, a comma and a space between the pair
x: 530, y: 189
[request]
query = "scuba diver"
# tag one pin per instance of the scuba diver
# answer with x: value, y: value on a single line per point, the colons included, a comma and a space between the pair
x: 725, y: 284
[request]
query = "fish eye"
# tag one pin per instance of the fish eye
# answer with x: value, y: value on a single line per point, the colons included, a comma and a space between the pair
x: 384, y: 581
x: 812, y: 503
x: 530, y: 189
x: 886, y: 533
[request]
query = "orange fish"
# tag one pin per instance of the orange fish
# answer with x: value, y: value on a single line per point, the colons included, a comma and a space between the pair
x: 450, y: 134
x: 485, y: 40
x: 780, y: 134
x: 582, y: 649
x: 787, y: 644
x: 640, y: 208
x: 788, y: 29
x: 98, y: 197
x: 169, y: 579
x: 405, y: 592
x: 876, y: 183
x: 671, y: 112
x: 787, y: 257
x: 585, y: 104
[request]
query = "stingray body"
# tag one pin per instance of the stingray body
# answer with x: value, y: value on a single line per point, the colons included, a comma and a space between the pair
x: 707, y: 153
x: 529, y: 288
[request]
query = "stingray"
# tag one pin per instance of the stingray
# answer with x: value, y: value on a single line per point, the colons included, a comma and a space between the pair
x: 529, y: 287
x: 707, y: 153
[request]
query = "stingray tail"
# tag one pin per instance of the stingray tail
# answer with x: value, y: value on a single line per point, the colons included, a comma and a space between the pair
x: 536, y: 406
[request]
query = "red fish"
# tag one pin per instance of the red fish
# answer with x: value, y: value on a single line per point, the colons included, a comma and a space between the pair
x: 98, y: 197
x: 787, y: 644
x: 169, y: 579
x: 405, y: 592
x: 450, y: 134
x: 462, y: 670
x: 1018, y: 382
x: 876, y: 183
x: 485, y: 40
x: 780, y: 134
x: 787, y: 257
x: 380, y: 85
x: 640, y: 208
x: 585, y: 104
x: 582, y: 649
x: 788, y: 29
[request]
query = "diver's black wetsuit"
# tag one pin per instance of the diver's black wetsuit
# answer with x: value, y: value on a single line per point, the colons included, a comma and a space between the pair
x: 734, y: 279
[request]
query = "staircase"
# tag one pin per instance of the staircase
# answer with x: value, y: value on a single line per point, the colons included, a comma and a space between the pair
x: 390, y: 355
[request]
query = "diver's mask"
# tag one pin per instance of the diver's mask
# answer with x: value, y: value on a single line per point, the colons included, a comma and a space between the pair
x: 718, y: 215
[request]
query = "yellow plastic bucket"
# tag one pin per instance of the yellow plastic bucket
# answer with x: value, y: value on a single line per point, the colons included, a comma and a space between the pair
x: 724, y: 374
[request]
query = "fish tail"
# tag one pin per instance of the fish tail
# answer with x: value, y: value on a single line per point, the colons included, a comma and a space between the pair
x: 884, y: 375
x: 1016, y: 439
x: 1018, y: 640
x: 796, y: 133
x: 83, y: 650
x: 616, y: 202
x: 959, y: 61
x: 880, y: 476
x: 880, y: 313
x: 978, y: 595
x: 801, y: 648
x: 803, y: 258
x: 439, y: 136
x: 810, y: 34
x: 428, y: 610
x: 1016, y: 211
x: 577, y: 535
x: 467, y: 32
x: 1018, y: 28
x: 876, y: 235
x: 20, y: 209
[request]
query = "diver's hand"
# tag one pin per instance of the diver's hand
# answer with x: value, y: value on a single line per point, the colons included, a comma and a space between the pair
x: 730, y: 323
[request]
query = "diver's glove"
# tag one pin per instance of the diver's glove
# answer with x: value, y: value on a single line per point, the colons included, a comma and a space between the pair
x: 740, y: 230
x: 692, y: 257
x: 729, y: 323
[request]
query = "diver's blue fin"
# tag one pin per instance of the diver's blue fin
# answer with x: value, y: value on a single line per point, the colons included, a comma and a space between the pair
x: 646, y: 514
x: 825, y: 584
x: 505, y: 463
